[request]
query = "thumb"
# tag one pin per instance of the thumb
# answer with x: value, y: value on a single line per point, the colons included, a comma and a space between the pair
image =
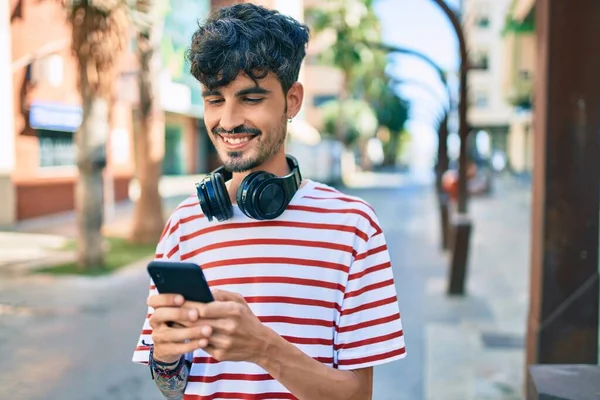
x: 224, y: 295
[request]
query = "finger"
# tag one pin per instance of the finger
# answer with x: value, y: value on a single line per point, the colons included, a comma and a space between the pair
x: 183, y: 348
x: 183, y: 334
x: 220, y: 310
x: 165, y: 300
x: 213, y: 310
x: 181, y: 315
x: 221, y: 325
x: 223, y: 295
x: 219, y: 341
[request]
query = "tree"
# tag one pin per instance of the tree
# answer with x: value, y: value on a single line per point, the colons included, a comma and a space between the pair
x: 353, y: 24
x: 359, y: 119
x: 374, y: 85
x: 148, y: 219
x: 99, y: 35
x: 392, y: 113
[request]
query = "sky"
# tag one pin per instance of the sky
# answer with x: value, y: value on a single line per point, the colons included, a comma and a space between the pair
x: 422, y: 26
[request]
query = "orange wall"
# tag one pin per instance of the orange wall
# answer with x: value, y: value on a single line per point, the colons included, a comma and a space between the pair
x: 41, y: 28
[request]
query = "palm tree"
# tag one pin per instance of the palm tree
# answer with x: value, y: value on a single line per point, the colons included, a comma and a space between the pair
x: 99, y: 35
x: 148, y: 219
x: 353, y: 24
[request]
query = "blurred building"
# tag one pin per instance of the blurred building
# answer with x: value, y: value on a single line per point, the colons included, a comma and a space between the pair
x: 47, y: 108
x: 489, y: 112
x: 7, y: 146
x: 520, y: 52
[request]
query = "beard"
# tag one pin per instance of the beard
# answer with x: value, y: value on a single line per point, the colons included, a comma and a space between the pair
x: 265, y: 147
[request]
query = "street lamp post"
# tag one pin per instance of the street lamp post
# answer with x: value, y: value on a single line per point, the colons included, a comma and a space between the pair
x: 462, y: 224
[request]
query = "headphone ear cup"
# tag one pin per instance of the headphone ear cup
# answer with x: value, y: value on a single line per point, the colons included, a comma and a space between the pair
x: 246, y: 194
x: 202, y: 190
x: 222, y: 201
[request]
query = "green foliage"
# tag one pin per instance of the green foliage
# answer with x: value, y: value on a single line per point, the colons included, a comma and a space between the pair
x: 353, y: 24
x: 120, y: 253
x: 392, y: 111
x: 358, y: 118
x: 511, y: 25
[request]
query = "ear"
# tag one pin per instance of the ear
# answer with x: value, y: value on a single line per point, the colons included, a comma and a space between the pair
x: 294, y: 99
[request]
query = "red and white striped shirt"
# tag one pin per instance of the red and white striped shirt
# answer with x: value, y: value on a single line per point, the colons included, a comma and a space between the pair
x: 319, y: 275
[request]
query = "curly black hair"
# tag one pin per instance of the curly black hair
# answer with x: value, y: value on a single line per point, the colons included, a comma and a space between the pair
x: 251, y: 39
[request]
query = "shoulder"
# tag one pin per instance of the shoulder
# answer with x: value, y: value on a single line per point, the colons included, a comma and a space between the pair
x: 331, y: 199
x: 187, y: 212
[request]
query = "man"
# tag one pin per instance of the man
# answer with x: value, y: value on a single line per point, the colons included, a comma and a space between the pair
x: 305, y: 303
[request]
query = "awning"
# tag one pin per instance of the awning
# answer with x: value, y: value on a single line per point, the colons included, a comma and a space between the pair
x: 55, y: 116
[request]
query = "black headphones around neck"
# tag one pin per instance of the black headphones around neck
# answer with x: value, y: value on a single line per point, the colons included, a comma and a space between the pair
x: 261, y: 195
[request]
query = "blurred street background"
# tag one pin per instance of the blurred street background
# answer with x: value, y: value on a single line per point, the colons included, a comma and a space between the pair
x: 424, y: 108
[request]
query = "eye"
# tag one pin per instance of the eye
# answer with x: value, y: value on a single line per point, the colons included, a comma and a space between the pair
x: 214, y: 101
x: 253, y: 100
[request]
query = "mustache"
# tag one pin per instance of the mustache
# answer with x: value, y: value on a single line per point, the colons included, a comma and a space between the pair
x: 237, y: 130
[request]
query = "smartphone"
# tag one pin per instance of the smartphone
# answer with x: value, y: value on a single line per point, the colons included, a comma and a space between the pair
x: 186, y: 279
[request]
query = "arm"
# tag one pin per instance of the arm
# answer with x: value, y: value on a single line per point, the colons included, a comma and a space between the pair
x: 238, y: 335
x: 168, y: 365
x: 309, y: 379
x: 156, y: 344
x: 170, y: 378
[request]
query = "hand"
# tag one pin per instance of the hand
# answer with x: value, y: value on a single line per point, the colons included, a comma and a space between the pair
x: 170, y: 343
x: 238, y: 335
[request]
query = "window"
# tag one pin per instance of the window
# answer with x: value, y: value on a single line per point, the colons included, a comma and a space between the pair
x: 57, y: 149
x: 482, y: 21
x: 480, y: 60
x: 480, y: 100
x: 524, y: 74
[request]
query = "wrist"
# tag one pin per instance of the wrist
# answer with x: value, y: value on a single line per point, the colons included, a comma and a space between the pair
x: 269, y: 348
x: 164, y: 360
x: 163, y: 369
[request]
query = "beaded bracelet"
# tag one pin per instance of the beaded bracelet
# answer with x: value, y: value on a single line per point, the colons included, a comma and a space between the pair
x: 162, y: 369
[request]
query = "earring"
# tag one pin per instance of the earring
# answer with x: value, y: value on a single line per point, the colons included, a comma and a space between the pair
x: 290, y: 120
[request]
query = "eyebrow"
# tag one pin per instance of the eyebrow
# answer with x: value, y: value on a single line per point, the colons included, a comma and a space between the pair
x: 239, y: 93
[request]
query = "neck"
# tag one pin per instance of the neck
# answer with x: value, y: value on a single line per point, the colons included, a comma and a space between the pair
x: 277, y: 165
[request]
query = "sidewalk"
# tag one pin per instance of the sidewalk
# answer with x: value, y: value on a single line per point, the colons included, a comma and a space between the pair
x: 38, y: 242
x: 476, y: 344
x: 458, y: 348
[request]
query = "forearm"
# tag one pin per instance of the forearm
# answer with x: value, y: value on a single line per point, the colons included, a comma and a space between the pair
x: 171, y: 380
x: 308, y: 379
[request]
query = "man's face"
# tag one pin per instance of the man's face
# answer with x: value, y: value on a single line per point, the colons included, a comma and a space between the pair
x: 247, y: 123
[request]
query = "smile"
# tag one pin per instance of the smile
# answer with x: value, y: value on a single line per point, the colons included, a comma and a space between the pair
x: 237, y: 140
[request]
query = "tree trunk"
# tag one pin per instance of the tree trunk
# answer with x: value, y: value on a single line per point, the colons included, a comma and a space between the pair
x: 391, y: 149
x: 148, y: 219
x: 91, y: 159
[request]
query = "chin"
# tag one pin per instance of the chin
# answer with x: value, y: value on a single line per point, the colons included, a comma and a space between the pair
x: 239, y: 161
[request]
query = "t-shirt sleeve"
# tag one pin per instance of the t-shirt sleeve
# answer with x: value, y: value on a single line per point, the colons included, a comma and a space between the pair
x: 369, y: 329
x: 167, y: 249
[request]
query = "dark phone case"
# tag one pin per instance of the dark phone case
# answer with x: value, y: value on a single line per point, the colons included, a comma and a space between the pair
x: 186, y: 279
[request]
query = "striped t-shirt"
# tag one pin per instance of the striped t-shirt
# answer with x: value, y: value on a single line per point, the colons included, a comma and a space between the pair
x: 319, y: 275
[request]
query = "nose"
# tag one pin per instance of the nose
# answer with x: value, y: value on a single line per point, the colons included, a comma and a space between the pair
x: 231, y: 117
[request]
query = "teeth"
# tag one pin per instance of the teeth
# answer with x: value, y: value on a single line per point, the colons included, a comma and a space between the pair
x: 236, y: 140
